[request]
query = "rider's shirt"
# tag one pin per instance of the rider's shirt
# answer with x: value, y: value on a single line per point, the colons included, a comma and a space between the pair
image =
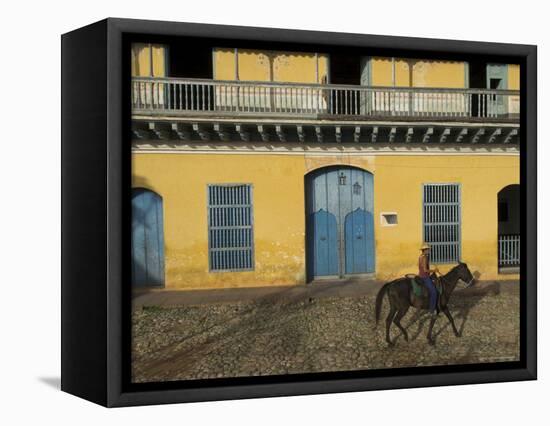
x: 424, y: 266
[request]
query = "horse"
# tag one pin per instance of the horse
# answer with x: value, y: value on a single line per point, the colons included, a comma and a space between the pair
x: 401, y: 297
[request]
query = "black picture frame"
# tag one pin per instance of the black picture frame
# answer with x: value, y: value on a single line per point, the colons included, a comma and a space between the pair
x: 95, y: 208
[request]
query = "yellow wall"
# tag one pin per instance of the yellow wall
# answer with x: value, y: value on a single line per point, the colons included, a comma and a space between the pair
x: 381, y: 72
x: 267, y: 65
x: 418, y: 73
x: 278, y: 236
x: 513, y: 77
x: 279, y: 218
x: 513, y: 84
x: 224, y: 64
x: 253, y: 65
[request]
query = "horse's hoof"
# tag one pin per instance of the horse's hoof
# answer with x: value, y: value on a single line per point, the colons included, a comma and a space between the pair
x: 458, y: 334
x: 431, y: 342
x: 391, y: 344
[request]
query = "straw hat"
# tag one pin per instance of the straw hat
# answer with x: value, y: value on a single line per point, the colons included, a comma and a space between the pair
x: 425, y: 246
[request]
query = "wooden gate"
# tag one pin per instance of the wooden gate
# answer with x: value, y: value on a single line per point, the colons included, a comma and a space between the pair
x: 147, y: 239
x: 340, y: 232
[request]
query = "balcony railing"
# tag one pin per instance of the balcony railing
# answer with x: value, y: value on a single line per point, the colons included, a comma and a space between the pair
x: 508, y: 250
x: 192, y: 96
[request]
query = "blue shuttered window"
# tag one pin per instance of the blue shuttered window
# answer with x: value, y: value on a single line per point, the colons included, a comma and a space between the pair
x: 230, y: 228
x: 441, y: 215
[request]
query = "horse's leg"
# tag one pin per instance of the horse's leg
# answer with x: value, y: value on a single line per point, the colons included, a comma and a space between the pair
x: 431, y: 341
x: 389, y: 320
x: 397, y: 321
x: 451, y: 320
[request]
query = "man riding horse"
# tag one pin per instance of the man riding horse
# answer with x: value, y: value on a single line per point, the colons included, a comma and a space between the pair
x: 425, y: 273
x: 401, y: 294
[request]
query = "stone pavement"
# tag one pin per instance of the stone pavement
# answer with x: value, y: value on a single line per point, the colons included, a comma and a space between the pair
x: 230, y: 333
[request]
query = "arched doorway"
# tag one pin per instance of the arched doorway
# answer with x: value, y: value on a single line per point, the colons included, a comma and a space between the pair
x: 509, y: 228
x: 147, y: 239
x: 340, y: 225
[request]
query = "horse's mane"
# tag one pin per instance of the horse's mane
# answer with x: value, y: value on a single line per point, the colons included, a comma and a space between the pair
x: 453, y: 270
x: 456, y: 266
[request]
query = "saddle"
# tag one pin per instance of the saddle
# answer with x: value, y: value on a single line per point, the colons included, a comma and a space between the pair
x: 417, y: 284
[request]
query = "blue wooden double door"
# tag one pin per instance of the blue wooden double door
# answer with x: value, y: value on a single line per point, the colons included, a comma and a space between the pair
x: 147, y: 239
x: 340, y: 226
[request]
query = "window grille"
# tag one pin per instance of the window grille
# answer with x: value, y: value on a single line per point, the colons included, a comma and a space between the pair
x: 441, y: 216
x: 230, y: 228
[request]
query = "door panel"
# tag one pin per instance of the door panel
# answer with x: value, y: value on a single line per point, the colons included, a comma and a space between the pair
x: 359, y: 242
x: 147, y: 239
x: 325, y: 224
x: 333, y: 198
x: 359, y: 224
x: 326, y: 244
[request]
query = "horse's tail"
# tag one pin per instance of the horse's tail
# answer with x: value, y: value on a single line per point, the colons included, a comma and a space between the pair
x: 379, y: 298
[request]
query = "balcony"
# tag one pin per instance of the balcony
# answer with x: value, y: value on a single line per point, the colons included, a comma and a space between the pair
x: 332, y: 112
x: 189, y: 96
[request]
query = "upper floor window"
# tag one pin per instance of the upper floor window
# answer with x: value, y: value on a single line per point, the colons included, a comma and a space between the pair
x: 270, y: 66
x: 149, y: 60
x: 230, y: 228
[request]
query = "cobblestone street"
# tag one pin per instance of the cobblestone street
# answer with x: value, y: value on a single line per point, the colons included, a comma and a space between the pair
x: 281, y: 335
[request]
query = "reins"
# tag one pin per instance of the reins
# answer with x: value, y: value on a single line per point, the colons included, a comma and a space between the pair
x: 445, y: 281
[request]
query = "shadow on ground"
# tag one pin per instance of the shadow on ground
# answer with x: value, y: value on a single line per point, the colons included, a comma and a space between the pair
x: 462, y: 302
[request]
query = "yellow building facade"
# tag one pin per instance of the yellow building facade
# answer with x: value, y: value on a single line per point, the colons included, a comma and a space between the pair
x: 180, y: 152
x: 279, y: 210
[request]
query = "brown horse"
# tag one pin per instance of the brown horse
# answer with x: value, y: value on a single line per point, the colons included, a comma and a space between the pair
x: 401, y: 296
